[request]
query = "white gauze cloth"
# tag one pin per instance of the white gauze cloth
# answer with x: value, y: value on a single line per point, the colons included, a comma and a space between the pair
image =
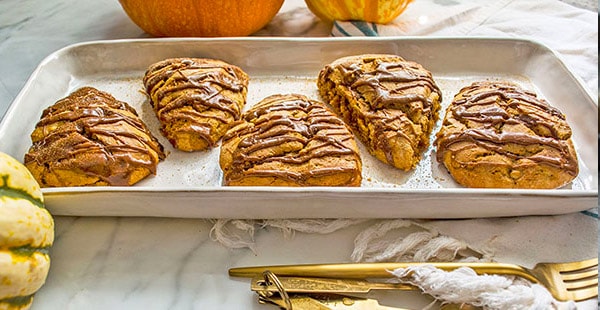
x: 463, y: 285
x: 410, y: 241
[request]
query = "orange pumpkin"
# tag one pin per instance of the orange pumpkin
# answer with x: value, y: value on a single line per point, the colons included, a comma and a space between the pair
x: 377, y: 11
x: 201, y: 18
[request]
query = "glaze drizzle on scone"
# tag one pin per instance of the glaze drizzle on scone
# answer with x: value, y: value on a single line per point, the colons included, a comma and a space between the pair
x: 290, y: 140
x: 496, y: 134
x: 90, y: 138
x: 392, y: 104
x: 195, y: 99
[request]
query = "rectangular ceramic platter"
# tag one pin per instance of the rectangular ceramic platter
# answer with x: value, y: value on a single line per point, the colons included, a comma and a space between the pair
x: 190, y: 184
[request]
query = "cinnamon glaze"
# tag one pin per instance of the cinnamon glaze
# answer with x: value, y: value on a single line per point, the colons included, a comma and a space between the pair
x: 391, y: 103
x: 390, y: 84
x: 92, y: 134
x: 496, y: 134
x: 195, y: 97
x: 292, y: 139
x: 488, y: 109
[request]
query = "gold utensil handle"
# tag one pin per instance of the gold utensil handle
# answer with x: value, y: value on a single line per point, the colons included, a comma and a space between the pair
x: 324, y: 285
x: 373, y: 270
x: 320, y: 293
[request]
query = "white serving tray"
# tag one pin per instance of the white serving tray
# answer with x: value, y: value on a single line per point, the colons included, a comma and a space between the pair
x: 189, y: 184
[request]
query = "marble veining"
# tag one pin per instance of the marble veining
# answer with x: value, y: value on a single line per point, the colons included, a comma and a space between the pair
x: 158, y: 263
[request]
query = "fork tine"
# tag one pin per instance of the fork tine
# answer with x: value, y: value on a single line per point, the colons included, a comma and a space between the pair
x: 580, y: 275
x: 584, y: 294
x: 582, y: 284
x: 573, y: 266
x: 590, y: 263
x: 580, y: 279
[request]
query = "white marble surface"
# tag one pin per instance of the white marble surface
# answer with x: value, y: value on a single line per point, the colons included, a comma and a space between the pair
x: 155, y: 263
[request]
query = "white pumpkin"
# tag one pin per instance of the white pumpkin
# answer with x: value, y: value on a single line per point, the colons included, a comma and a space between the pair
x: 26, y: 235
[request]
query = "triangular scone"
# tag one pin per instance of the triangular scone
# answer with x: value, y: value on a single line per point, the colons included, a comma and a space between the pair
x: 392, y: 104
x: 195, y: 99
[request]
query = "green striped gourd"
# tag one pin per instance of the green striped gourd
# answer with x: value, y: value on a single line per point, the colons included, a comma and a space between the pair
x: 26, y: 234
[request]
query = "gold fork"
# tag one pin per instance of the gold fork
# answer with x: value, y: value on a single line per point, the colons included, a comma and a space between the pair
x: 566, y: 281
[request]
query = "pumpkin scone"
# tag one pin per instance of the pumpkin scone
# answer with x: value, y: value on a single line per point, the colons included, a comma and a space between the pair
x: 290, y: 140
x: 391, y: 104
x: 90, y: 138
x: 195, y: 99
x: 498, y: 135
